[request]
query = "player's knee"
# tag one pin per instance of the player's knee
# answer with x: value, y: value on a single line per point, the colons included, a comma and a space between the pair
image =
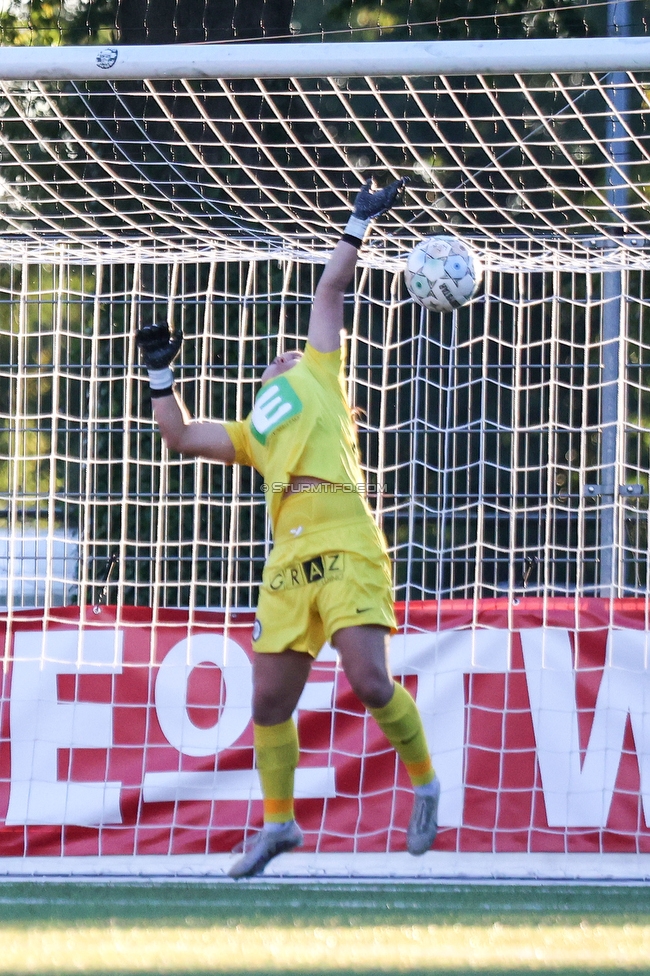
x: 270, y: 708
x: 374, y: 689
x: 271, y: 714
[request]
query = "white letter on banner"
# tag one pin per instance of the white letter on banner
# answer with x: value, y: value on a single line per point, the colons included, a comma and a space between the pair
x: 41, y: 725
x: 187, y: 738
x: 440, y: 660
x: 580, y: 795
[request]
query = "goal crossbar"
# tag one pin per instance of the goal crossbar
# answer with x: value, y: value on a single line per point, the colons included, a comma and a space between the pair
x: 407, y: 58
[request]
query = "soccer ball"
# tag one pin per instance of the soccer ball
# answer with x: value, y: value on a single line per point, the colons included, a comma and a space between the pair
x: 442, y: 273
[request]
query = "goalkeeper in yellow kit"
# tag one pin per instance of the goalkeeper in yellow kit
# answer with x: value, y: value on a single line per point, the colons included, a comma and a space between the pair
x: 328, y: 577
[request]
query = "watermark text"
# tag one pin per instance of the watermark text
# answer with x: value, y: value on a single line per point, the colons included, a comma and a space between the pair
x: 324, y: 487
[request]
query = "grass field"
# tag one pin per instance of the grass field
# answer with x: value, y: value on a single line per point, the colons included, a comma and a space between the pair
x: 266, y: 927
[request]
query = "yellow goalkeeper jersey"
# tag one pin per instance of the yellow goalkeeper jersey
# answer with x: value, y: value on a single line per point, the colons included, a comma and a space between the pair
x: 301, y: 424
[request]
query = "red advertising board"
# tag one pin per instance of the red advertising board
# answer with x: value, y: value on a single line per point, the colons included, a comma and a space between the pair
x: 125, y: 736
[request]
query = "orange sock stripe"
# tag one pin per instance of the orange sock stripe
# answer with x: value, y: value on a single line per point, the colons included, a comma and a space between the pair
x: 278, y: 811
x: 420, y: 773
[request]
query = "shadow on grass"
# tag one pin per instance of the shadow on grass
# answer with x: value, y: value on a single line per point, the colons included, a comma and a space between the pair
x: 268, y: 903
x: 38, y: 905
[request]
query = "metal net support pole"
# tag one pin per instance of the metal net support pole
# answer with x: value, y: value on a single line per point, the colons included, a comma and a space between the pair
x: 618, y: 24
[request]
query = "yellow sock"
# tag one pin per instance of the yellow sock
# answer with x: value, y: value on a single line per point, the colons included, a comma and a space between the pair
x: 400, y: 722
x: 276, y: 753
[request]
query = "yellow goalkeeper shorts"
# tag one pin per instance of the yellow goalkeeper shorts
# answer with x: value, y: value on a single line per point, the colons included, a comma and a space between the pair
x: 329, y: 569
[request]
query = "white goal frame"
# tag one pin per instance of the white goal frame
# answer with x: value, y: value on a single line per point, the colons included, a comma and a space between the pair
x: 505, y: 387
x: 230, y: 61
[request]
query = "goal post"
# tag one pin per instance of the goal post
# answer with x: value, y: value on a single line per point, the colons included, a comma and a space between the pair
x: 507, y: 446
x: 323, y: 60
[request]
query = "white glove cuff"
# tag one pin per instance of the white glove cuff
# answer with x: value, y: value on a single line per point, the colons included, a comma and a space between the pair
x: 160, y: 379
x: 356, y: 227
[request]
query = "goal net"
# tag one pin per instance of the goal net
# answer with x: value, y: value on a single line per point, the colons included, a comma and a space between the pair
x: 506, y: 445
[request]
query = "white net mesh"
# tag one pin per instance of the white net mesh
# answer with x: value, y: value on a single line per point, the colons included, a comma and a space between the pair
x: 175, y: 169
x: 483, y: 435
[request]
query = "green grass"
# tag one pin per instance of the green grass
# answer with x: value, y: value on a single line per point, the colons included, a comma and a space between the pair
x: 347, y: 929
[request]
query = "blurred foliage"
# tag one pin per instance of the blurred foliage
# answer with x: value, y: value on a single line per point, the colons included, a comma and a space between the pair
x: 453, y: 19
x: 52, y: 22
x: 31, y: 351
x: 47, y: 22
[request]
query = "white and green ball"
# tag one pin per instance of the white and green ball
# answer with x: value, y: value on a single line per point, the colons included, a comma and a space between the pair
x: 442, y: 273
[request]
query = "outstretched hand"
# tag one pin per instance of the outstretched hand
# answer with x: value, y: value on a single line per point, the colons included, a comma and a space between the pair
x: 158, y: 346
x: 369, y: 203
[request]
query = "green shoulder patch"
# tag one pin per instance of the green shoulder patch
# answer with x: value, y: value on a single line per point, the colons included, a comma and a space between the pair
x: 276, y: 403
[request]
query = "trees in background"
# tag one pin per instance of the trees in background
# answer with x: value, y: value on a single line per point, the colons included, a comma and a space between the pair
x: 46, y: 22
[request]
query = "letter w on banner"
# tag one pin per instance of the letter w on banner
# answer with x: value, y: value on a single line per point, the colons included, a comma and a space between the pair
x: 579, y: 775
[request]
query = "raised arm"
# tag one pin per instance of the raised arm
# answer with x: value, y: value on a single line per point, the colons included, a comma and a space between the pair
x: 180, y: 433
x: 326, y: 320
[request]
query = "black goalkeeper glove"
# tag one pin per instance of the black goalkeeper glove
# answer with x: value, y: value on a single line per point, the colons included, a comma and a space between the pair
x: 370, y: 204
x: 158, y: 348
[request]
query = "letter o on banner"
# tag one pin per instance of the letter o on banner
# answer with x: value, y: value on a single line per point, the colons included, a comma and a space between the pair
x: 171, y: 694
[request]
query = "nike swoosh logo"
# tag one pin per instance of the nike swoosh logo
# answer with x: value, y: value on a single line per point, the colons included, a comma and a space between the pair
x: 365, y: 610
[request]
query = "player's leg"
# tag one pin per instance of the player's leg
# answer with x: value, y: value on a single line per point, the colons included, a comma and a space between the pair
x: 278, y: 681
x: 364, y: 655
